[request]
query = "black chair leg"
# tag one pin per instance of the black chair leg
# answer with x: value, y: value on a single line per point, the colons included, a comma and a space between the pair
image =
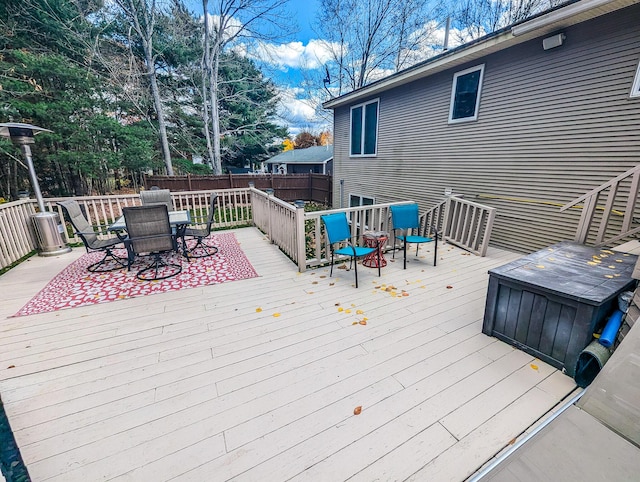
x: 404, y: 244
x: 435, y: 251
x: 331, y: 269
x: 355, y: 269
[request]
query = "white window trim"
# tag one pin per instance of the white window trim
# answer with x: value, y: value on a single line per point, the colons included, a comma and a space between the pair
x: 363, y: 105
x: 635, y: 88
x: 453, y: 94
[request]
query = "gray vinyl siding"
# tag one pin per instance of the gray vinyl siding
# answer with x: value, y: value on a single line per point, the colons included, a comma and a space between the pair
x: 552, y: 125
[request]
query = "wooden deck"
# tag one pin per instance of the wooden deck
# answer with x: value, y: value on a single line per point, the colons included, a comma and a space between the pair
x: 258, y: 379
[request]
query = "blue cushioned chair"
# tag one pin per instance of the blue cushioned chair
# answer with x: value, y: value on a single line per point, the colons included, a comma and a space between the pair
x: 338, y: 231
x: 404, y: 217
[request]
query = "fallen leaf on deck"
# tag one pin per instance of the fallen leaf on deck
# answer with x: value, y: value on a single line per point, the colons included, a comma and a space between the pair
x: 323, y: 276
x: 357, y: 410
x: 354, y: 323
x: 608, y: 276
x: 314, y: 283
x: 449, y: 287
x: 347, y: 311
x: 512, y: 441
x: 362, y: 322
x: 340, y: 308
x: 337, y: 304
x: 275, y: 315
x: 592, y: 263
x: 11, y: 366
x: 331, y: 284
x: 535, y: 367
x: 404, y: 293
x: 611, y: 266
x: 359, y: 312
x: 541, y: 266
x: 258, y: 310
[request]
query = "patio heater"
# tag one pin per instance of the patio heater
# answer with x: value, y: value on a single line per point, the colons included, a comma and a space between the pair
x: 47, y: 225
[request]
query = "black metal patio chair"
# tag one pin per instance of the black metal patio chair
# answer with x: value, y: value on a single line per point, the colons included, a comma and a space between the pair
x: 202, y: 249
x: 150, y: 234
x: 157, y: 196
x: 89, y: 237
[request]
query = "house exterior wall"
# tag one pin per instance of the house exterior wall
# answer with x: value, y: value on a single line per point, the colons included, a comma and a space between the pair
x: 552, y: 125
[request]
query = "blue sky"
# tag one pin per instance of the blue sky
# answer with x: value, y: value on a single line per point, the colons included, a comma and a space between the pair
x: 285, y: 66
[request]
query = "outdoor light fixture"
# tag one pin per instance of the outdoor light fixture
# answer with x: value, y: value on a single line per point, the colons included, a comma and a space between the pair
x: 46, y: 224
x: 553, y: 41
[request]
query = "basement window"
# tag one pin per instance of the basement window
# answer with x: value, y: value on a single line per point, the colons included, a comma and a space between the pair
x: 465, y: 94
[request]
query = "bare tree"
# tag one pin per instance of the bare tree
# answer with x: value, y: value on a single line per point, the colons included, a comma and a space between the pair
x: 476, y: 18
x: 229, y: 23
x: 142, y: 17
x: 371, y: 39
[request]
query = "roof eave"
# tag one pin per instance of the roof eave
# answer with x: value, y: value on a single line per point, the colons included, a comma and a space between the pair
x: 551, y: 21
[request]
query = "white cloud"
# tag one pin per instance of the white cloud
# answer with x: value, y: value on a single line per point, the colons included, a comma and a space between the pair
x: 298, y: 113
x: 295, y: 54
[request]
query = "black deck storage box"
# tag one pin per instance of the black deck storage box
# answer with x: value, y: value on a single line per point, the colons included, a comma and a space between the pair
x: 549, y: 303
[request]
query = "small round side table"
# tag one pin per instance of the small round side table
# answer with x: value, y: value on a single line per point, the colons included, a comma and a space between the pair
x: 375, y: 239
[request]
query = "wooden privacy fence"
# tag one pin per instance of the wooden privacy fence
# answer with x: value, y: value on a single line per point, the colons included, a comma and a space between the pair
x: 288, y: 187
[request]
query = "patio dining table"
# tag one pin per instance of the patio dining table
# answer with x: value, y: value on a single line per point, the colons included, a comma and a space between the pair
x: 179, y: 220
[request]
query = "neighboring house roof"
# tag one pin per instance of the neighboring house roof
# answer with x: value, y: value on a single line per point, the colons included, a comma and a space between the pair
x: 548, y: 22
x: 310, y: 155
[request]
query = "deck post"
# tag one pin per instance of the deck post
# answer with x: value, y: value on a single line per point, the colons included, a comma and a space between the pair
x: 301, y: 248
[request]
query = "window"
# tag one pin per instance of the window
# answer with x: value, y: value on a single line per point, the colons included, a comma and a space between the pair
x: 364, y: 129
x: 465, y: 94
x: 355, y: 201
x: 635, y: 88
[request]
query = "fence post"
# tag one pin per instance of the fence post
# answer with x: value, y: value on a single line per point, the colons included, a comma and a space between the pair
x: 301, y: 238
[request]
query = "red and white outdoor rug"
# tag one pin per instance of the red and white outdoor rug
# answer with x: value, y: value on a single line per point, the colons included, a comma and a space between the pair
x: 75, y: 286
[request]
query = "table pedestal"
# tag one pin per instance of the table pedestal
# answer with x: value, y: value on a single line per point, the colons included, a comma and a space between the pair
x: 375, y: 239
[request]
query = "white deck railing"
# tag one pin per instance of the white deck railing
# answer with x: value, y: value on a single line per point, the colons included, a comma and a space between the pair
x: 617, y: 219
x: 17, y: 238
x: 468, y: 224
x: 299, y: 234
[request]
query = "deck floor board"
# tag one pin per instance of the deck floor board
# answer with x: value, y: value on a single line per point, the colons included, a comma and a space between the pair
x: 257, y: 379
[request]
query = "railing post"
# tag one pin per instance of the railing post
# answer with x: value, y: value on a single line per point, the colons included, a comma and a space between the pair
x: 269, y: 194
x: 446, y: 221
x: 301, y: 235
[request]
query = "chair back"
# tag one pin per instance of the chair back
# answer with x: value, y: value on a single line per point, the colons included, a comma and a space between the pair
x: 405, y: 216
x: 212, y: 211
x: 157, y: 196
x: 79, y: 222
x: 337, y: 227
x: 148, y: 228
